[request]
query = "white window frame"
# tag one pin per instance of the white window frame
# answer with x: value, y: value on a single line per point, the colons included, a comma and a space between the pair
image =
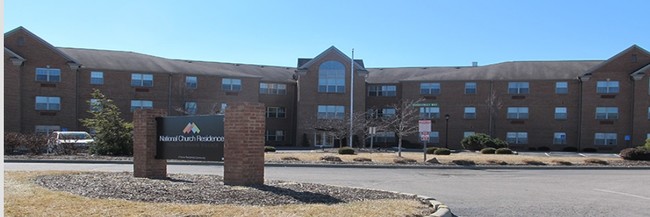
x: 517, y: 113
x: 141, y: 104
x: 607, y: 113
x: 470, y: 113
x: 468, y: 134
x: 331, y: 112
x: 52, y: 75
x: 518, y: 138
x: 97, y: 77
x: 559, y: 138
x: 607, y: 87
x: 191, y: 82
x: 275, y: 135
x: 429, y: 113
x: 561, y: 113
x: 561, y: 87
x: 382, y: 90
x: 191, y: 107
x: 276, y: 112
x: 471, y: 88
x: 51, y: 103
x: 273, y: 88
x: 141, y: 80
x: 430, y: 88
x: 331, y: 77
x: 231, y: 84
x: 605, y: 139
x: 519, y: 87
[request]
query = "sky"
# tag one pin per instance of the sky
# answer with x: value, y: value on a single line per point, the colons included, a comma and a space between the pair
x: 382, y: 33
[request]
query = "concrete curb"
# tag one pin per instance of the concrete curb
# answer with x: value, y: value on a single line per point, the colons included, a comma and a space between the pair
x: 366, y: 166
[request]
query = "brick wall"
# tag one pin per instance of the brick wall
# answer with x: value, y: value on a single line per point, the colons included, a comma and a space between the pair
x: 145, y: 164
x: 244, y: 144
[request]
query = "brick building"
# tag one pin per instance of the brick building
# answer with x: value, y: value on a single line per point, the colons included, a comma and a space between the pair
x: 560, y: 105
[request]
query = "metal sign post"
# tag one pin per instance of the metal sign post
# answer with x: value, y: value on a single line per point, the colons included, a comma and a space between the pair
x: 372, y: 131
x: 425, y: 130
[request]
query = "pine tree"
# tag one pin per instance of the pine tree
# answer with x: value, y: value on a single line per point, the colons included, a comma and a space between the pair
x: 113, y: 134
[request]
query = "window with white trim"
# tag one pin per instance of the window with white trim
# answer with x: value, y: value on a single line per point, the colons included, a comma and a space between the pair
x: 48, y: 75
x: 468, y: 134
x: 191, y: 82
x: 605, y: 139
x: 559, y: 138
x: 518, y: 88
x: 275, y: 135
x: 275, y: 112
x: 517, y: 113
x: 384, y: 137
x: 48, y: 103
x: 273, y: 88
x: 607, y: 87
x: 141, y: 104
x: 231, y: 84
x: 517, y: 138
x: 97, y: 77
x: 331, y: 112
x: 470, y: 87
x: 141, y: 80
x: 190, y: 108
x: 560, y: 113
x: 382, y: 90
x: 561, y: 87
x: 429, y: 112
x: 470, y: 113
x: 606, y: 113
x: 331, y: 77
x: 430, y: 88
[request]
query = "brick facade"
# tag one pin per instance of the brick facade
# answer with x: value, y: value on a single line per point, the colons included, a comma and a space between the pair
x: 145, y: 164
x: 244, y: 144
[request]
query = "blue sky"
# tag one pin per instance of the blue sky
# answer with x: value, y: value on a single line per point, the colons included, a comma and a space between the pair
x: 383, y: 33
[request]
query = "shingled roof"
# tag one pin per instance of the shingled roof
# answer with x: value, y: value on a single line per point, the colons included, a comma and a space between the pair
x: 137, y: 62
x: 518, y: 70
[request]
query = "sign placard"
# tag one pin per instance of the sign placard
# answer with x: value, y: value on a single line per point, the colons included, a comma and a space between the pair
x: 190, y: 137
x: 424, y: 136
x: 424, y: 125
x: 425, y: 104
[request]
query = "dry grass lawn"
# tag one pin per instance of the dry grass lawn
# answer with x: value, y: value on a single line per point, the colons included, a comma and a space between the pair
x: 24, y: 198
x: 484, y: 159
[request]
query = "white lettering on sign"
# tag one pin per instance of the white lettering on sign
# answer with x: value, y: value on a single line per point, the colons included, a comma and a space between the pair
x: 196, y: 138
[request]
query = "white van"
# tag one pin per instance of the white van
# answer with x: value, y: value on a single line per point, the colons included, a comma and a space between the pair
x: 58, y: 141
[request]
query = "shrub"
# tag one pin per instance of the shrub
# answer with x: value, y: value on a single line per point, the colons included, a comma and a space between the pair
x: 480, y: 140
x: 503, y: 151
x: 570, y: 149
x: 561, y: 162
x: 488, y: 151
x: 534, y: 162
x: 404, y: 160
x: 269, y: 149
x: 589, y: 150
x: 596, y: 161
x: 497, y: 162
x: 113, y: 134
x: 12, y: 142
x: 35, y: 143
x: 496, y: 143
x: 362, y: 159
x: 346, y: 150
x: 331, y: 158
x: 290, y: 158
x: 635, y: 154
x: 442, y: 151
x: 543, y: 149
x: 431, y: 150
x: 464, y: 162
x: 647, y: 144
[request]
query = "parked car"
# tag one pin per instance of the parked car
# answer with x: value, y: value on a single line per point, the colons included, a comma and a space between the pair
x: 65, y: 142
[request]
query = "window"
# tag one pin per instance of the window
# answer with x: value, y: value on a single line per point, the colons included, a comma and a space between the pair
x: 48, y: 75
x: 559, y: 138
x: 607, y: 87
x: 331, y: 77
x: 382, y: 90
x: 46, y: 129
x: 231, y: 84
x: 470, y: 113
x: 95, y: 105
x: 470, y: 87
x: 275, y: 112
x: 96, y: 77
x: 141, y: 80
x: 386, y: 113
x: 434, y: 137
x: 191, y: 82
x: 430, y: 88
x: 50, y: 103
x: 223, y: 108
x: 517, y: 112
x: 518, y: 88
x: 561, y: 87
x: 190, y: 108
x: 517, y: 138
x: 331, y: 112
x: 606, y: 113
x: 605, y: 139
x: 648, y: 113
x: 429, y: 112
x: 468, y: 134
x: 647, y: 136
x: 271, y: 88
x: 275, y: 135
x: 384, y: 137
x: 141, y: 104
x: 560, y: 113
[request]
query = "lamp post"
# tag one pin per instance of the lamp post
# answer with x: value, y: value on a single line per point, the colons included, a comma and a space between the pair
x: 447, y: 131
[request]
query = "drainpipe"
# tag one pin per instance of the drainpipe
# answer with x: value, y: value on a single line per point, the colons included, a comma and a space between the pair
x: 169, y: 96
x: 580, y: 102
x: 632, y: 113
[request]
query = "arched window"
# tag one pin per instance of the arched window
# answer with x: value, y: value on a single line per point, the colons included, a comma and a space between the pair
x: 331, y: 77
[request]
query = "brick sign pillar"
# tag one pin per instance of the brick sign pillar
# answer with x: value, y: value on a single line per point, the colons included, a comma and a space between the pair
x: 145, y: 164
x: 244, y: 144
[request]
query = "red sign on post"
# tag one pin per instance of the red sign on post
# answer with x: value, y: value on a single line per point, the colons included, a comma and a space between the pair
x: 425, y: 125
x: 424, y: 136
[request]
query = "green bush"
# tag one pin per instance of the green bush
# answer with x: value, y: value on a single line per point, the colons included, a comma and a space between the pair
x: 480, y: 140
x: 269, y: 149
x: 647, y: 144
x: 431, y: 150
x: 442, y: 151
x: 503, y: 151
x: 113, y: 134
x: 638, y: 153
x: 488, y: 151
x: 346, y: 150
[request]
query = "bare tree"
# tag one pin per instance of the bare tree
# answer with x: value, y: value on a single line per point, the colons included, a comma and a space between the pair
x: 494, y: 104
x: 362, y: 123
x: 405, y: 120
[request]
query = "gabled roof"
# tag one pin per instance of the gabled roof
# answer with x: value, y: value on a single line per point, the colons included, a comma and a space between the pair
x: 330, y: 50
x: 643, y: 71
x: 45, y: 43
x: 14, y: 55
x: 518, y: 70
x: 590, y: 71
x: 137, y: 62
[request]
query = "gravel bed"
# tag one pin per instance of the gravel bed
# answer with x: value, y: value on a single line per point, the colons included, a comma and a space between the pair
x: 206, y: 189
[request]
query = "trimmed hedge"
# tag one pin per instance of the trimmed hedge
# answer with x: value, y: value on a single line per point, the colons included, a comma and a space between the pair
x: 488, y: 151
x: 346, y: 151
x: 480, y: 140
x: 503, y: 151
x: 269, y: 149
x: 431, y: 150
x: 442, y: 151
x: 638, y: 153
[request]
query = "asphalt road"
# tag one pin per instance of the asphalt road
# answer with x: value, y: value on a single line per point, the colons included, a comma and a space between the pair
x: 467, y: 192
